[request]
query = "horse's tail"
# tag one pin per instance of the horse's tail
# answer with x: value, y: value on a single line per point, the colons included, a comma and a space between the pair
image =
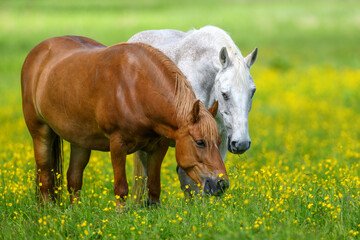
x: 58, y: 159
x: 139, y: 180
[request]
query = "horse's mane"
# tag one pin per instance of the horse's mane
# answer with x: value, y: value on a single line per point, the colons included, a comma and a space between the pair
x: 220, y: 38
x: 207, y: 123
x: 185, y: 97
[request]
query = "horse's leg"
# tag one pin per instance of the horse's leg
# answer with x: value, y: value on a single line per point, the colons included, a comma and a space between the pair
x: 118, y: 160
x: 154, y: 161
x: 139, y: 176
x: 43, y: 139
x: 79, y: 158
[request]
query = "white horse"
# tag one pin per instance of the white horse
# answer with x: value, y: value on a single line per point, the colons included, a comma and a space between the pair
x: 214, y: 66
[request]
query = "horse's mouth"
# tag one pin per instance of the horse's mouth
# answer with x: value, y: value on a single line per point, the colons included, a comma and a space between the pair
x: 238, y: 150
x: 215, y: 187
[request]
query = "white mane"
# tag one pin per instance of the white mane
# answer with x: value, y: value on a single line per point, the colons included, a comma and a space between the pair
x: 217, y: 38
x: 220, y: 36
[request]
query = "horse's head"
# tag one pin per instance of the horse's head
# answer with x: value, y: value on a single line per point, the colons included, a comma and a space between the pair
x: 234, y: 89
x: 197, y: 152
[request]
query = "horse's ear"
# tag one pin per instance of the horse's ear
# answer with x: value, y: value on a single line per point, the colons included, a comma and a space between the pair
x: 195, y: 111
x: 224, y: 57
x: 213, y: 110
x: 251, y: 58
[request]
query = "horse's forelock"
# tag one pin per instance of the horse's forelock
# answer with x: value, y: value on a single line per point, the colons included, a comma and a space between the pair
x: 208, y: 126
x: 185, y: 99
x: 242, y: 72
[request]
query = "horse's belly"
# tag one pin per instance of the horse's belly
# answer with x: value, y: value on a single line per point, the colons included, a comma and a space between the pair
x: 81, y: 134
x: 73, y: 125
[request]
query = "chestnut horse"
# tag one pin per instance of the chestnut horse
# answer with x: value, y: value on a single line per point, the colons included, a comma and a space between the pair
x: 122, y: 99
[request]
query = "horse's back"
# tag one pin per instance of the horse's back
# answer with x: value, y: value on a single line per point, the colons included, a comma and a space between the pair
x: 158, y: 38
x: 195, y: 53
x: 48, y: 53
x: 38, y: 65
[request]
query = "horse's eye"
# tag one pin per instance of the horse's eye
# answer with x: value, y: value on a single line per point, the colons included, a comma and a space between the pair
x: 253, y: 92
x: 200, y: 143
x: 225, y: 96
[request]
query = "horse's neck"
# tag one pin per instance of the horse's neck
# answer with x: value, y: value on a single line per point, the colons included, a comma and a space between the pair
x: 199, y: 63
x: 173, y: 102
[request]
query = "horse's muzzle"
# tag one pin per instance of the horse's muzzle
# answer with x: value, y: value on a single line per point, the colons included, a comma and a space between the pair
x: 215, y: 186
x: 238, y: 147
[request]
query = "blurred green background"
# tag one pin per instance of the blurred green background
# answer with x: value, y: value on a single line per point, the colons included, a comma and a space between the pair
x: 289, y: 34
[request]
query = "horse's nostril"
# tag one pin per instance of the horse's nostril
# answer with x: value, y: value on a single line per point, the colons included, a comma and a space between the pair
x: 243, y: 146
x: 215, y: 186
x: 223, y: 185
x: 234, y: 144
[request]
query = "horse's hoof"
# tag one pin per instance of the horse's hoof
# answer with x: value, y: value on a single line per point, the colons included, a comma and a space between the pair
x: 122, y: 208
x: 150, y: 203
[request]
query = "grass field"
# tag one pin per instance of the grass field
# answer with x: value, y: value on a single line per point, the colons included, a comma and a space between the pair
x: 299, y: 180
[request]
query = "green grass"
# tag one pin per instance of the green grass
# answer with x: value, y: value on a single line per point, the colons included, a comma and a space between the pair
x: 301, y: 177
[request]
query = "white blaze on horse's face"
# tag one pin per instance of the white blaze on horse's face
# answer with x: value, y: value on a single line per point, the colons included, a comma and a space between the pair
x: 234, y: 89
